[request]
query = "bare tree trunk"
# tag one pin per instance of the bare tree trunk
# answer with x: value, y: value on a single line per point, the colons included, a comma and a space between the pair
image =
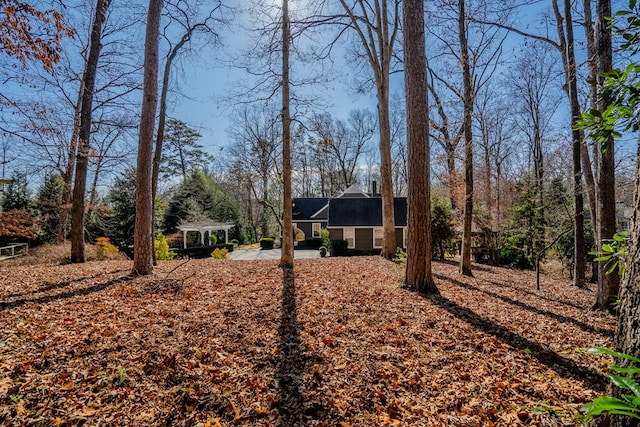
x: 388, y: 221
x: 143, y: 234
x: 584, y: 150
x: 608, y: 284
x: 465, y: 257
x: 418, y: 275
x: 84, y: 133
x: 567, y: 47
x: 67, y: 175
x: 586, y: 158
x: 378, y: 35
x: 286, y: 258
x: 449, y: 144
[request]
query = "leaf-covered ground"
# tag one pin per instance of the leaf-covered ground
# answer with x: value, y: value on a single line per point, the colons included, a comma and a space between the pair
x: 223, y: 342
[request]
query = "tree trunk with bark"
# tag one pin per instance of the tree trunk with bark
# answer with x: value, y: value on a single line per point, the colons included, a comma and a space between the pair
x: 143, y: 233
x: 628, y: 332
x: 605, y: 227
x: 587, y: 171
x: 465, y: 256
x: 84, y: 134
x: 286, y: 258
x: 566, y: 41
x: 377, y: 35
x: 418, y: 275
x: 67, y: 175
x: 388, y: 220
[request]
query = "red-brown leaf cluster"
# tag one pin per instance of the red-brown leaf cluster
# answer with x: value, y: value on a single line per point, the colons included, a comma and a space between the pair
x: 28, y: 33
x: 18, y: 223
x: 338, y: 343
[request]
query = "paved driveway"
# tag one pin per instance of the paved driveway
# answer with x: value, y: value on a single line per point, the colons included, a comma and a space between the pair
x: 271, y: 254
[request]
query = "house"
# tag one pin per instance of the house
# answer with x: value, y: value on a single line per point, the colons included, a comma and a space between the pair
x: 307, y: 216
x: 353, y: 216
x: 624, y: 217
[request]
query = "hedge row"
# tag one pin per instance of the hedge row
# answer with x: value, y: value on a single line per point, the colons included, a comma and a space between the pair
x: 203, y: 251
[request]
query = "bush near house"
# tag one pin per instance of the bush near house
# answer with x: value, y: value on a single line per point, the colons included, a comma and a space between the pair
x: 339, y: 247
x: 313, y: 242
x: 266, y: 243
x: 204, y: 251
x: 220, y: 253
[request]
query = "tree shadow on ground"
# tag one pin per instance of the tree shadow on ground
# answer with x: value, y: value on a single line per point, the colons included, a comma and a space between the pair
x: 564, y: 366
x: 291, y: 363
x: 557, y: 317
x: 50, y: 286
x: 64, y: 295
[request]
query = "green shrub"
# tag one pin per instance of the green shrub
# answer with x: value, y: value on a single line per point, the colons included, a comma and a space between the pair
x: 629, y: 405
x: 203, y: 251
x: 266, y: 243
x: 214, y: 239
x: 401, y: 257
x: 515, y: 258
x: 313, y: 242
x: 323, y: 251
x: 220, y: 253
x: 339, y: 247
x: 324, y: 236
x: 161, y: 247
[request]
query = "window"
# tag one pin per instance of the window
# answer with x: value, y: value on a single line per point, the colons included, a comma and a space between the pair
x: 315, y: 229
x: 349, y: 234
x: 404, y: 237
x: 378, y: 237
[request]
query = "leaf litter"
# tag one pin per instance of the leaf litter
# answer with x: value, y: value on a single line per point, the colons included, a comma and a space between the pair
x: 338, y: 343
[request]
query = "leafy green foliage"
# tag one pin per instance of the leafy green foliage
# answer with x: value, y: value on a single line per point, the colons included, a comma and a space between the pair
x: 629, y: 404
x: 441, y: 229
x: 339, y: 247
x: 526, y: 228
x: 401, y: 257
x: 198, y: 199
x: 220, y: 253
x: 266, y: 243
x: 515, y: 257
x: 323, y: 251
x: 313, y: 242
x: 181, y: 154
x: 161, y: 247
x: 123, y: 376
x: 324, y: 236
x: 48, y: 204
x: 623, y: 85
x: 122, y: 199
x: 203, y: 251
x: 614, y: 253
x: 16, y: 195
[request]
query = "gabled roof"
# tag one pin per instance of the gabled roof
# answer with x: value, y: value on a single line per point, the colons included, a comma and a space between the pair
x: 364, y: 212
x: 352, y: 192
x: 305, y: 207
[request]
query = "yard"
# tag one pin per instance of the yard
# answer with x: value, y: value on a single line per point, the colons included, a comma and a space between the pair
x: 227, y: 342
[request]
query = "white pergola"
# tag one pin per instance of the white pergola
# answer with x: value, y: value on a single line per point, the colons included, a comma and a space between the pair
x: 203, y: 227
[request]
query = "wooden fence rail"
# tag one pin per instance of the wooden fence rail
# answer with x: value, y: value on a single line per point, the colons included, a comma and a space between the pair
x: 12, y: 251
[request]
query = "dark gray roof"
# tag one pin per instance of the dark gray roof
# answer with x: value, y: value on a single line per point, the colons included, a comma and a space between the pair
x: 304, y: 207
x: 364, y: 212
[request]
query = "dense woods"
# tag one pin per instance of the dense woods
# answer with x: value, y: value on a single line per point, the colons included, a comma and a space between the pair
x: 509, y: 126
